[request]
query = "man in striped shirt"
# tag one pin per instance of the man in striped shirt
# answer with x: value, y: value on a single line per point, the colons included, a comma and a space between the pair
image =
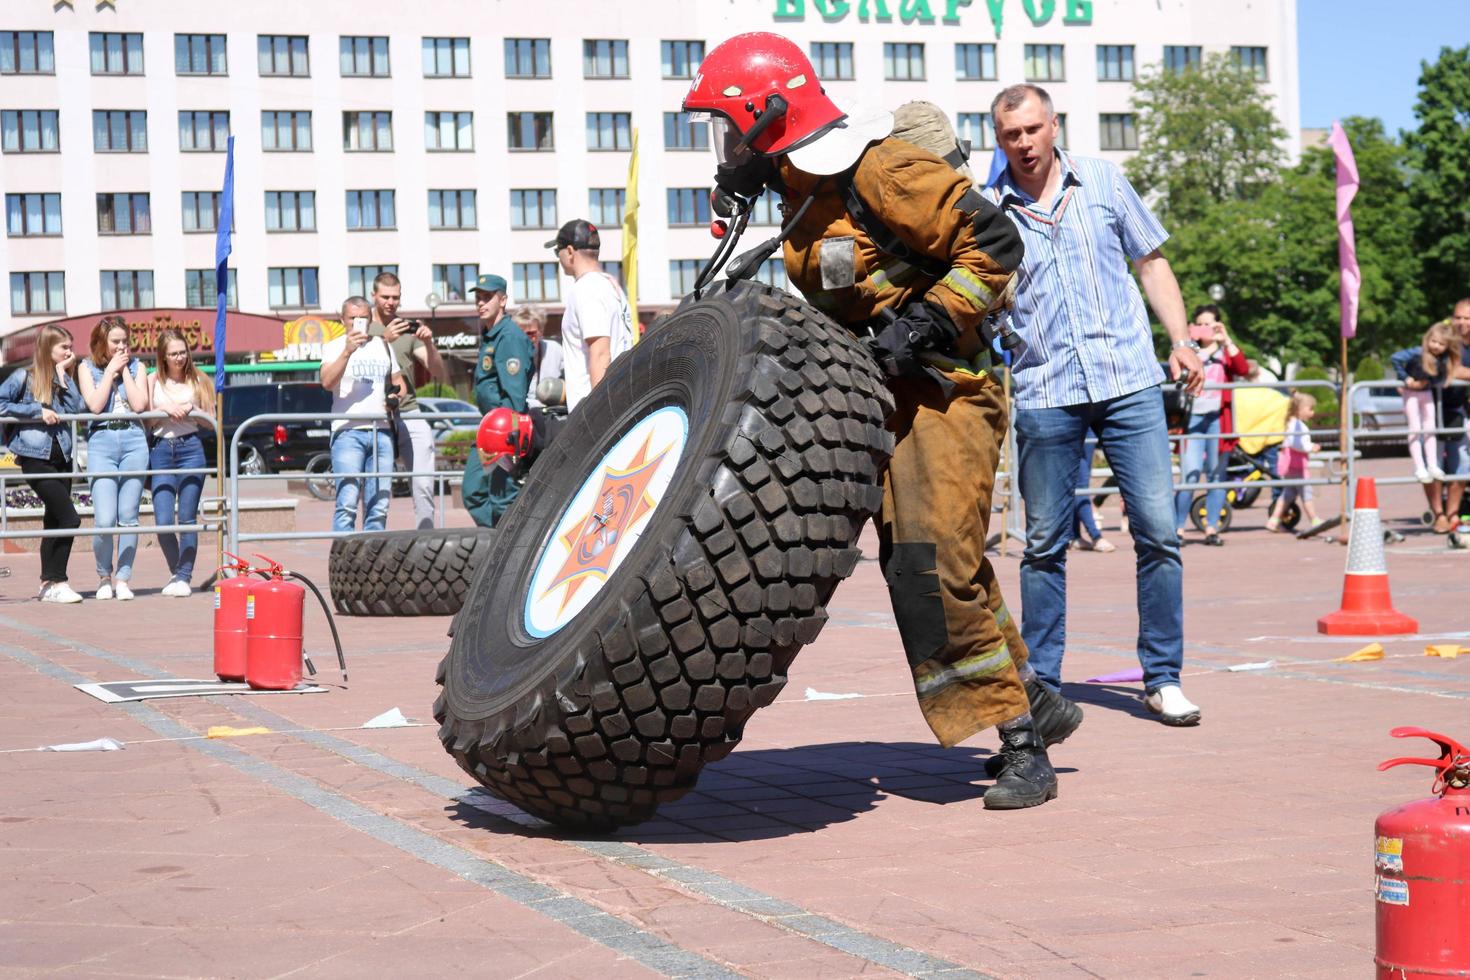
x: 1090, y: 366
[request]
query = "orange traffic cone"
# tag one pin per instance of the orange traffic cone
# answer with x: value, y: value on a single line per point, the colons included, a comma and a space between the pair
x: 1367, y: 609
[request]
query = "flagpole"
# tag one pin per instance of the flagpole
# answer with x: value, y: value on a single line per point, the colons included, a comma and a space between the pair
x: 1344, y: 419
x: 224, y: 225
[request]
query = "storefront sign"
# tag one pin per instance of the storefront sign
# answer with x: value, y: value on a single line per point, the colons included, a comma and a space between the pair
x: 928, y: 11
x: 304, y: 337
x: 244, y: 332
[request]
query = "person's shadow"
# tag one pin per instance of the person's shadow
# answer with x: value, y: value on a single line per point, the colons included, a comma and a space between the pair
x: 1114, y: 697
x: 767, y: 793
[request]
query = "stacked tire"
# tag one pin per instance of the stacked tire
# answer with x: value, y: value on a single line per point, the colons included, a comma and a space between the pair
x: 667, y: 559
x: 405, y: 573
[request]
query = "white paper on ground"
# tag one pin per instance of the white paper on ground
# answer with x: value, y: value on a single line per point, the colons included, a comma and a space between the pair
x: 1261, y: 665
x: 96, y: 745
x: 812, y: 694
x: 392, y: 718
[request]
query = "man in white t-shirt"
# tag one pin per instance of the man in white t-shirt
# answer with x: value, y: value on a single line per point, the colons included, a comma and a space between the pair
x: 358, y: 369
x: 597, y: 325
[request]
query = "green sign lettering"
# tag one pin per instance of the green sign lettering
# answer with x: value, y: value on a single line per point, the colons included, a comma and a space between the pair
x: 881, y: 6
x: 996, y: 14
x: 952, y: 10
x: 832, y: 10
x: 922, y: 11
x: 915, y: 10
x: 1078, y: 12
x: 790, y: 9
x: 1048, y: 7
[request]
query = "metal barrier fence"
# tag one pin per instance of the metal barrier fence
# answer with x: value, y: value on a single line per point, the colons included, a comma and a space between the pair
x: 1439, y: 430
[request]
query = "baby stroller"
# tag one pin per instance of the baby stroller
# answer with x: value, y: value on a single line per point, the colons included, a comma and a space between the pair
x: 1249, y: 470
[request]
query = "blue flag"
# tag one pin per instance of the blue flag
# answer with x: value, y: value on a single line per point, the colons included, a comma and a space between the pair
x: 998, y: 164
x: 221, y: 263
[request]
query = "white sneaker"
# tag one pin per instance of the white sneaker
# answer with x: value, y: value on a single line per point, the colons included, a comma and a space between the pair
x: 1422, y: 475
x: 1435, y: 473
x: 104, y: 591
x: 60, y: 592
x: 1172, y: 707
x: 178, y: 587
x: 122, y: 592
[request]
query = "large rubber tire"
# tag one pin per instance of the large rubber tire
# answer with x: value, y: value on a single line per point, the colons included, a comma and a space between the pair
x: 594, y: 717
x: 405, y: 573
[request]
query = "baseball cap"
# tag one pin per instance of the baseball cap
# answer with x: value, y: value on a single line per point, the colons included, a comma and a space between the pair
x: 578, y: 233
x: 488, y: 283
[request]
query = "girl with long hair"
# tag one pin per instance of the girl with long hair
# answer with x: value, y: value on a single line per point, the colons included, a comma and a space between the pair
x: 177, y: 388
x: 43, y: 391
x: 112, y: 381
x: 1425, y: 377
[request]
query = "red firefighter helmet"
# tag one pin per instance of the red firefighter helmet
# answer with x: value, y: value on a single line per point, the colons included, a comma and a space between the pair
x: 504, y: 436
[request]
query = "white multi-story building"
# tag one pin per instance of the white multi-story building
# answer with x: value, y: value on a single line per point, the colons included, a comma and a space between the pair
x: 442, y: 138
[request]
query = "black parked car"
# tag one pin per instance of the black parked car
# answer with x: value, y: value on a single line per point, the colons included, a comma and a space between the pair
x: 275, y: 447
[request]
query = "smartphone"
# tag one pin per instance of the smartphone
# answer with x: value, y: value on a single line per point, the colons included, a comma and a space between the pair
x: 359, y: 323
x: 1202, y: 335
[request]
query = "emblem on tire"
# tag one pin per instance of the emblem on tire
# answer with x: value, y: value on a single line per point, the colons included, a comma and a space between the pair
x: 603, y: 522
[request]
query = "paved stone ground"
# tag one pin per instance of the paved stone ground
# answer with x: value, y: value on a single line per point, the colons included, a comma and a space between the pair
x: 837, y: 841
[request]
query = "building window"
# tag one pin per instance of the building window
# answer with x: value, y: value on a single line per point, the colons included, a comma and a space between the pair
x: 204, y: 131
x: 360, y: 278
x: 452, y: 209
x: 367, y: 132
x: 124, y: 214
x: 1062, y: 130
x: 449, y: 131
x: 681, y: 58
x: 614, y: 268
x: 529, y: 131
x: 688, y: 206
x: 772, y: 272
x: 290, y: 210
x: 528, y: 57
x: 767, y: 209
x: 832, y: 60
x: 1044, y: 63
x: 450, y: 280
x: 683, y: 133
x: 32, y: 215
x: 682, y: 274
x: 1181, y: 57
x: 535, y: 282
x: 29, y: 131
x: 1252, y: 61
x: 281, y: 54
x: 1118, y: 131
x: 200, y: 54
x: 119, y: 131
x: 363, y: 57
x: 371, y: 211
x: 446, y: 57
x: 285, y: 131
x: 201, y: 210
x: 127, y: 289
x: 977, y: 128
x: 604, y: 59
x: 533, y: 209
x: 116, y: 54
x: 609, y: 131
x: 291, y: 288
x: 37, y: 292
x: 201, y: 289
x: 903, y: 62
x: 605, y: 206
x: 974, y: 62
x: 27, y: 53
x: 1115, y: 62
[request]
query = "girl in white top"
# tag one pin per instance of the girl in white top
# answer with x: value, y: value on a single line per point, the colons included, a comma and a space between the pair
x: 176, y: 389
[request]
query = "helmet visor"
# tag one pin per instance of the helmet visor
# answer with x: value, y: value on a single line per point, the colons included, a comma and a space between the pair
x: 725, y: 136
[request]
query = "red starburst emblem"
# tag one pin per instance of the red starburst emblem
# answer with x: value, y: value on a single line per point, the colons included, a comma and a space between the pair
x: 593, y: 540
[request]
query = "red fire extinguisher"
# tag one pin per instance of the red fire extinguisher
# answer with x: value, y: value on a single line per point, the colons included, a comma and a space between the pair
x: 1422, y: 865
x: 273, y: 616
x: 229, y: 621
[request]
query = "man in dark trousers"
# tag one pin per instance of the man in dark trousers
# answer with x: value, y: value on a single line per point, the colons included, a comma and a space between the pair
x: 502, y: 377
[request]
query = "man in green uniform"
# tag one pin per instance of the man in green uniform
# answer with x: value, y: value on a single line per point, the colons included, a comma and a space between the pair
x: 502, y: 376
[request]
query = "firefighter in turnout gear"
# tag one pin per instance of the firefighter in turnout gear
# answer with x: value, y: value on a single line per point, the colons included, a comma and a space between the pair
x: 898, y: 245
x: 502, y: 378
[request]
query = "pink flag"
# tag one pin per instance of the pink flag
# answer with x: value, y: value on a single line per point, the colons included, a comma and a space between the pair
x: 1347, y: 251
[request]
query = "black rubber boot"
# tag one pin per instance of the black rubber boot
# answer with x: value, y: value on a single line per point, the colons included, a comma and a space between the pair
x: 1026, y: 777
x: 1055, y: 719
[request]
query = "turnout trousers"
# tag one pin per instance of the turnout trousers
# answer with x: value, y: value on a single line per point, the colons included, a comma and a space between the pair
x: 963, y: 646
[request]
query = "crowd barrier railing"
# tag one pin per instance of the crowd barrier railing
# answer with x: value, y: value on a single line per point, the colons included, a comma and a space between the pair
x: 1440, y: 430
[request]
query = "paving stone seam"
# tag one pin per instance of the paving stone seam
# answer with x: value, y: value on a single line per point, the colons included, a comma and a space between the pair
x: 582, y: 917
x: 716, y: 888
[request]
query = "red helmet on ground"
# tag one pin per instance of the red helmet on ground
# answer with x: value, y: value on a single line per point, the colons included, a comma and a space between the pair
x: 504, y: 436
x: 763, y: 95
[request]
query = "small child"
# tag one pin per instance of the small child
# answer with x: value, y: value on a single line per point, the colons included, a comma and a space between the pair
x: 1291, y: 463
x: 1424, y: 376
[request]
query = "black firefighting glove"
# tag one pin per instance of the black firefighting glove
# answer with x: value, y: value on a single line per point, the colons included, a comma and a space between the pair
x: 924, y: 326
x: 737, y: 186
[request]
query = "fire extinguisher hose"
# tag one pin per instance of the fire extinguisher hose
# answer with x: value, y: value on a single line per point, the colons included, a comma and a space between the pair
x: 331, y: 623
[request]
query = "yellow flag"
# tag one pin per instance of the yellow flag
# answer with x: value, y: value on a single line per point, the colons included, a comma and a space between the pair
x: 630, y: 236
x: 1373, y: 651
x: 1449, y: 651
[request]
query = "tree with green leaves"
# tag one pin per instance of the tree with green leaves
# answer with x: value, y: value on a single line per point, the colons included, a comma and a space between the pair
x: 1439, y: 153
x: 1207, y: 135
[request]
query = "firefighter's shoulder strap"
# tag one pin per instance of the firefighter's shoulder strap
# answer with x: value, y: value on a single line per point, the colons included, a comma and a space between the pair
x: 883, y: 237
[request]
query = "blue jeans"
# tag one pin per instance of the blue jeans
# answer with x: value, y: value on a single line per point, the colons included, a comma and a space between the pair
x: 1133, y: 435
x: 352, y: 459
x: 176, y: 499
x: 115, y: 500
x: 1082, y: 517
x: 1199, y: 462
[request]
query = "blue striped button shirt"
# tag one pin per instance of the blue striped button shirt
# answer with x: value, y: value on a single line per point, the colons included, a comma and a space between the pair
x: 1077, y: 306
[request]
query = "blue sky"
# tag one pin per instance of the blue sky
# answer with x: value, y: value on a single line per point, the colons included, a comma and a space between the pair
x: 1361, y: 57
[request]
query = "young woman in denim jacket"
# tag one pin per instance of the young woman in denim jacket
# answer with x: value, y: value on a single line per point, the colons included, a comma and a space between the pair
x: 176, y: 389
x: 113, y: 381
x: 43, y: 391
